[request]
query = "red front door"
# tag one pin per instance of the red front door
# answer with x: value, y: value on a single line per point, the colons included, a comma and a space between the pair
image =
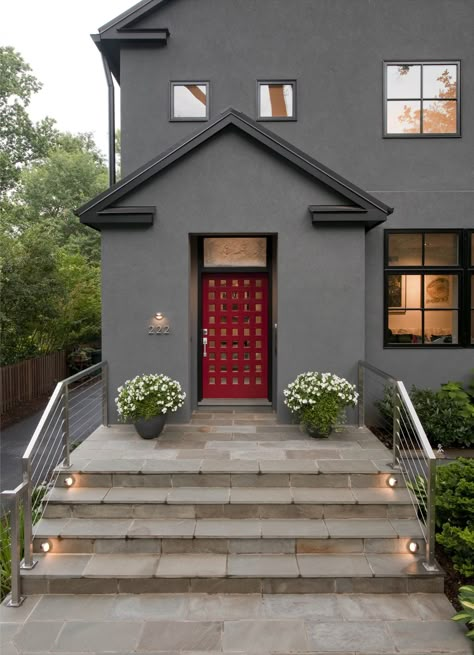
x: 235, y: 317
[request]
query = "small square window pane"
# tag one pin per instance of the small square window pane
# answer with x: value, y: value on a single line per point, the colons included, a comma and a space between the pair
x: 189, y: 100
x: 276, y: 100
x: 403, y: 116
x: 441, y: 327
x: 404, y: 81
x: 405, y: 249
x: 440, y: 117
x: 441, y: 291
x: 404, y: 291
x: 404, y: 328
x: 211, y: 295
x: 439, y: 81
x: 441, y: 249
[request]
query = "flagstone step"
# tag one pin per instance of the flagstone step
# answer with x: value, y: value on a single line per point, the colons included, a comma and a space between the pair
x: 209, y: 502
x: 233, y: 573
x: 211, y: 473
x: 227, y: 535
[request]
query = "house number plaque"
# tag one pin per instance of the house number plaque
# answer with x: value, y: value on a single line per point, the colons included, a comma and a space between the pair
x: 159, y: 330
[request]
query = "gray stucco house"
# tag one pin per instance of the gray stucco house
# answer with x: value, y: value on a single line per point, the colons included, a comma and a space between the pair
x: 296, y: 194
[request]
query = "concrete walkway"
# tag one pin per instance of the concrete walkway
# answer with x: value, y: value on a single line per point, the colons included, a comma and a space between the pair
x: 346, y: 624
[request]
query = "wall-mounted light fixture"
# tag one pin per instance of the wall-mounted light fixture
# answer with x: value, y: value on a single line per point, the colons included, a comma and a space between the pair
x: 392, y: 481
x: 69, y: 481
x: 159, y: 316
x: 413, y: 547
x: 45, y: 546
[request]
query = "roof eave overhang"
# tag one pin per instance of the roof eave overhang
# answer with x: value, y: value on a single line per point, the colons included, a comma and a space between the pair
x: 342, y: 216
x: 362, y: 207
x: 111, y: 41
x: 122, y: 217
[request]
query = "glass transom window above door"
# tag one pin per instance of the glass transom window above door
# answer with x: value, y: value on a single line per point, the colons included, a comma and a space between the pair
x: 235, y: 335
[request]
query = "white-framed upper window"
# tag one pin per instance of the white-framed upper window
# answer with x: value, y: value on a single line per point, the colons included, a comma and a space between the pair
x: 189, y: 101
x: 276, y: 100
x: 422, y: 99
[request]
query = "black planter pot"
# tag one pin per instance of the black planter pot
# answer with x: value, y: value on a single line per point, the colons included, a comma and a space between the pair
x: 317, y: 432
x: 150, y: 428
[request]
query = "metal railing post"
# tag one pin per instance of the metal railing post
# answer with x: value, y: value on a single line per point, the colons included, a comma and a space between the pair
x: 16, y: 598
x: 28, y: 562
x: 105, y: 395
x: 361, y: 389
x: 66, y: 445
x: 430, y: 563
x: 396, y: 427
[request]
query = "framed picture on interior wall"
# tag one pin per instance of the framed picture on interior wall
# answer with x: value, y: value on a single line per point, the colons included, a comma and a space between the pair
x: 397, y: 294
x: 438, y: 290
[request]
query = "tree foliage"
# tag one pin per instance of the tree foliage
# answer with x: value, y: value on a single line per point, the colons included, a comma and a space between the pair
x: 21, y: 140
x: 49, y: 261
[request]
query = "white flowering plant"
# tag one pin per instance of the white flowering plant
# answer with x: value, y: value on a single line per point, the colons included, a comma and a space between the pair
x: 319, y: 399
x: 147, y: 396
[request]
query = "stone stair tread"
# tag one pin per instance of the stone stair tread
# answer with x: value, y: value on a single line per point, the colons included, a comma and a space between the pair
x: 236, y: 495
x: 228, y: 528
x: 301, y: 461
x: 219, y: 566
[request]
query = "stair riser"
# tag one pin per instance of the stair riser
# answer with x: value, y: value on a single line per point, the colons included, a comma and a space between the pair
x: 226, y: 546
x: 202, y: 511
x: 382, y: 585
x: 160, y: 480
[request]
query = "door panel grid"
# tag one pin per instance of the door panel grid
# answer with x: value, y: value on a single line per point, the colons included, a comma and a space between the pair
x: 235, y: 315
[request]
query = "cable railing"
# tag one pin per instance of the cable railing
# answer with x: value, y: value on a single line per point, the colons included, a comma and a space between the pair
x: 76, y: 408
x: 386, y: 408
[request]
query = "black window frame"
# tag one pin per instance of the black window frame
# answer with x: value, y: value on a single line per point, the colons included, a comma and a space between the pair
x: 276, y: 118
x: 463, y: 270
x: 421, y: 99
x: 191, y: 119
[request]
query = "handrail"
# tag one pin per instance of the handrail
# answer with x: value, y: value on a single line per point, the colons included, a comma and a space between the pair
x: 413, y: 455
x: 49, y: 447
x: 52, y: 401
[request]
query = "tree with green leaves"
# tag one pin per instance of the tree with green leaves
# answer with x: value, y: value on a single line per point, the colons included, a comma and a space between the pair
x: 21, y: 140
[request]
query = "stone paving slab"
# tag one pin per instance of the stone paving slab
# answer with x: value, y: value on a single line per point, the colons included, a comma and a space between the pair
x: 350, y: 624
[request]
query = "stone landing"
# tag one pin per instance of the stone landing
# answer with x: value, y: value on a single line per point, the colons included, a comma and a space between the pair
x: 231, y: 503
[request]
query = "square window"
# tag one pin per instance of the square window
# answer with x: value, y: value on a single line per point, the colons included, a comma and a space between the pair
x: 421, y: 98
x: 425, y: 304
x: 276, y: 100
x: 189, y: 101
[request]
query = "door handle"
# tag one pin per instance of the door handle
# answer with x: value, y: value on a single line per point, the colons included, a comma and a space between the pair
x: 204, y: 346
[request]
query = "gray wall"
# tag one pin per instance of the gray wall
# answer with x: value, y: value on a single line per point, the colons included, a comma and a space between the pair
x: 231, y: 185
x: 334, y: 49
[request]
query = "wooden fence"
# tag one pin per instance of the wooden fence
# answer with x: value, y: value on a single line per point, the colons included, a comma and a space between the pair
x: 30, y: 379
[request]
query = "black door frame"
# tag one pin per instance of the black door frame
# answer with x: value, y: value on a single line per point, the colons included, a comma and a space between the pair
x: 268, y: 269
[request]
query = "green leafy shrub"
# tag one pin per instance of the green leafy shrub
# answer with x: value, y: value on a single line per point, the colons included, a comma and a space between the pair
x: 466, y: 615
x: 455, y: 513
x: 459, y: 544
x: 447, y: 415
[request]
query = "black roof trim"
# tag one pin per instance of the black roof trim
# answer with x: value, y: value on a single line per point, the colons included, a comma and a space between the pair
x: 124, y: 216
x: 269, y: 139
x: 343, y: 215
x: 132, y: 14
x: 109, y: 43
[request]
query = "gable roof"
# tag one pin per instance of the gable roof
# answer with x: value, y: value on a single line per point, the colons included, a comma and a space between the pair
x: 121, y: 30
x: 361, y: 206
